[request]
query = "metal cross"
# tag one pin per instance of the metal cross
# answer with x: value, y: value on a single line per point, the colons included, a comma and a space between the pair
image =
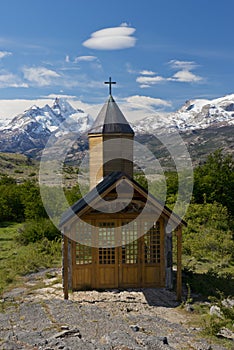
x: 110, y: 83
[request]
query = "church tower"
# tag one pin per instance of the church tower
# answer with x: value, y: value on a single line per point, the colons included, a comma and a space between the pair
x: 113, y: 237
x: 110, y: 143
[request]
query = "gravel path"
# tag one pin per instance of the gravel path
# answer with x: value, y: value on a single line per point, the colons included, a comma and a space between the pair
x: 36, y: 317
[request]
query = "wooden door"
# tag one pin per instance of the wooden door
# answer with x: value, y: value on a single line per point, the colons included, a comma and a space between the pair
x: 107, y: 256
x: 129, y: 262
x: 82, y: 257
x: 152, y: 256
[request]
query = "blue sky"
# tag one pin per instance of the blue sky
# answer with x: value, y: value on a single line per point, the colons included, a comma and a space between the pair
x: 160, y: 52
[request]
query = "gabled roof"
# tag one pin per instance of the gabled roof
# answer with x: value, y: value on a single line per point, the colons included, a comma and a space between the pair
x: 111, y: 120
x: 106, y: 184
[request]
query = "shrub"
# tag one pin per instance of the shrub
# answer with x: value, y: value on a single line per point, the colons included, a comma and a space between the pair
x: 33, y: 231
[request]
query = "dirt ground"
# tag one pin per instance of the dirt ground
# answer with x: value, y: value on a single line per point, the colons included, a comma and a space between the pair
x: 35, y: 316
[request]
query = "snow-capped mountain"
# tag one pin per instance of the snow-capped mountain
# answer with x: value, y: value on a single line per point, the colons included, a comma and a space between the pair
x: 204, y: 125
x: 194, y: 114
x: 31, y: 129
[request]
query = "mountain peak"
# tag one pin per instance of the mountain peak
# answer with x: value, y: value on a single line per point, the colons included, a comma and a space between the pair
x: 32, y: 128
x: 62, y: 106
x: 194, y: 114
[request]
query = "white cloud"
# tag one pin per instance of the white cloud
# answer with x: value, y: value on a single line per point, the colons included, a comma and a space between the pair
x: 40, y: 76
x: 11, y: 80
x: 185, y: 76
x: 85, y: 59
x: 115, y: 38
x: 139, y: 102
x: 147, y: 81
x: 11, y: 108
x: 67, y: 59
x: 137, y: 107
x: 5, y: 54
x: 182, y: 65
x: 147, y: 72
x: 60, y: 95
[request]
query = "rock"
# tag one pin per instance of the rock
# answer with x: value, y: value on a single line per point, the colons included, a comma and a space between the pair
x: 68, y: 333
x: 229, y: 303
x: 9, y: 345
x: 226, y: 333
x: 189, y: 308
x: 105, y: 339
x: 215, y: 311
x: 115, y: 291
x: 163, y: 340
x: 135, y: 328
x: 124, y: 320
x: 63, y: 328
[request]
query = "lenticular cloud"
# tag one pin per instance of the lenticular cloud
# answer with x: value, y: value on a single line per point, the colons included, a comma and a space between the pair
x: 111, y: 39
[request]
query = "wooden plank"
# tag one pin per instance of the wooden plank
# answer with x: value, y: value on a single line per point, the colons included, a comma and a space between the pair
x: 140, y: 259
x: 94, y: 267
x: 73, y: 255
x: 65, y: 267
x: 179, y: 264
x: 129, y: 276
x: 96, y: 159
x: 116, y: 267
x: 162, y: 253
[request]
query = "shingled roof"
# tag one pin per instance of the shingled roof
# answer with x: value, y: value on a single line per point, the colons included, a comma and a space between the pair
x: 111, y: 120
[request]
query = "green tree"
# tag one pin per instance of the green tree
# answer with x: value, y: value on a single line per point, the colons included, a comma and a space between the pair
x: 208, y: 234
x: 214, y: 181
x: 31, y: 198
x: 73, y: 194
x: 11, y: 205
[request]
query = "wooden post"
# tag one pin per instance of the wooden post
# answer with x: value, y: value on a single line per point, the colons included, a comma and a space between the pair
x: 65, y: 267
x: 162, y: 253
x: 179, y: 264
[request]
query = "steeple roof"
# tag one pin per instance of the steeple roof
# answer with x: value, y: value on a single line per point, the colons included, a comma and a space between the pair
x: 111, y: 120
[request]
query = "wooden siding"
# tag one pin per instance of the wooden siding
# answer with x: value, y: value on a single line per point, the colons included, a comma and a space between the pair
x: 109, y: 153
x: 110, y: 268
x: 95, y: 159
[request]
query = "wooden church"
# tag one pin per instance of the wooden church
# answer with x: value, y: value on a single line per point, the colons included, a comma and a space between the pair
x: 117, y: 235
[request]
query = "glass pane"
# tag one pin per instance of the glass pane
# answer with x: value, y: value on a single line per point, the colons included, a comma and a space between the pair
x: 152, y: 244
x: 83, y: 254
x: 83, y: 251
x: 129, y: 243
x: 106, y: 232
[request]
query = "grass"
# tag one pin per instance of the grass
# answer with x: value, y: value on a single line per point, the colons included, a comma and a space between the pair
x: 17, y: 260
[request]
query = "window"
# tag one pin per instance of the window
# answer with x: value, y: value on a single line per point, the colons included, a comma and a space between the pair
x: 83, y: 251
x: 152, y: 244
x: 129, y: 243
x: 106, y: 256
x: 106, y: 234
x: 83, y: 254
